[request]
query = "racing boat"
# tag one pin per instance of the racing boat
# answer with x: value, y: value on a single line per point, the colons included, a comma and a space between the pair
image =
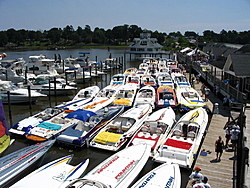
x: 118, y: 131
x: 165, y: 175
x: 14, y: 163
x: 58, y: 173
x: 145, y: 95
x: 117, y: 80
x: 126, y: 95
x: 182, y: 144
x: 165, y: 96
x: 188, y: 98
x: 117, y: 171
x: 155, y: 129
x: 77, y: 135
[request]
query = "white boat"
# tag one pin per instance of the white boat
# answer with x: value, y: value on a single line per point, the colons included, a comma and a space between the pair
x: 117, y: 80
x: 117, y: 171
x: 39, y: 64
x: 182, y: 144
x: 143, y: 65
x: 188, y: 98
x: 57, y: 86
x: 148, y: 80
x: 80, y: 134
x: 180, y: 80
x: 165, y: 175
x: 52, y: 127
x: 141, y: 72
x: 131, y: 70
x: 24, y: 126
x: 83, y: 97
x: 118, y: 131
x: 133, y: 79
x: 17, y: 95
x: 13, y: 164
x: 104, y: 97
x: 155, y: 129
x: 126, y: 95
x: 12, y: 70
x: 58, y: 173
x: 164, y: 79
x: 145, y: 95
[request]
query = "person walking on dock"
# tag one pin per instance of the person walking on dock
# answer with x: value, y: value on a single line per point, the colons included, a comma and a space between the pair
x: 235, y: 134
x: 207, y: 92
x: 228, y: 135
x: 196, y: 175
x: 219, y: 148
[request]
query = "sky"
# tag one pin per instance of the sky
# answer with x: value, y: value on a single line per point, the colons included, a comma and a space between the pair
x: 155, y: 15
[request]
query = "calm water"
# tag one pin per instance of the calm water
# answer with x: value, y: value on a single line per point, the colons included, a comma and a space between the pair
x: 15, y: 113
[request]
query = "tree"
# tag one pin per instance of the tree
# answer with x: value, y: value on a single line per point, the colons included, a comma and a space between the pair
x: 3, y: 38
x: 54, y: 35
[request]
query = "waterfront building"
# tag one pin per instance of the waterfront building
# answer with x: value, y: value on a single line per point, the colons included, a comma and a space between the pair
x: 145, y: 46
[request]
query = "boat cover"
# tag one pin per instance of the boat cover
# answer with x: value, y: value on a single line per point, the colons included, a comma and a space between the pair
x: 49, y: 126
x: 178, y: 144
x: 122, y: 101
x: 107, y: 137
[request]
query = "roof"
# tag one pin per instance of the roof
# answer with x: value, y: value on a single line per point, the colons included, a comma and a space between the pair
x: 240, y: 64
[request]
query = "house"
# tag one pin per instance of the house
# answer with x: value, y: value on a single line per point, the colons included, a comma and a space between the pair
x: 145, y: 46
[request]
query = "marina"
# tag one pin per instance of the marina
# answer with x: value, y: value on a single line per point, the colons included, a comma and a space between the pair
x: 96, y: 156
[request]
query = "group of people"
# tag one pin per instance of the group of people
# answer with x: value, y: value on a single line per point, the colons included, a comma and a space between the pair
x: 198, y: 180
x: 232, y: 133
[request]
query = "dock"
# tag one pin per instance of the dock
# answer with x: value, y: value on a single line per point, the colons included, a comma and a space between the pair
x: 220, y: 174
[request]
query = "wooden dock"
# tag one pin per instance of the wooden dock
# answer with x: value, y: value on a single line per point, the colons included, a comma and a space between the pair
x: 219, y: 173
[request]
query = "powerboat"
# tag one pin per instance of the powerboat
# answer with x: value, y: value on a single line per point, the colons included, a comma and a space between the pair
x: 104, y: 97
x: 13, y: 164
x: 126, y: 95
x: 58, y: 173
x: 54, y: 126
x: 182, y: 144
x: 154, y: 129
x: 133, y: 79
x: 148, y: 80
x: 180, y: 80
x: 83, y: 97
x: 57, y: 86
x: 165, y: 175
x: 117, y: 171
x: 131, y: 70
x: 145, y: 95
x: 164, y: 79
x: 165, y: 96
x: 117, y: 80
x: 80, y: 134
x: 24, y: 126
x: 118, y: 131
x: 188, y: 99
x: 16, y: 94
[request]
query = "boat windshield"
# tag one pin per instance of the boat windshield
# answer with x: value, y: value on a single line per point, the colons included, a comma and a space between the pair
x: 86, y: 183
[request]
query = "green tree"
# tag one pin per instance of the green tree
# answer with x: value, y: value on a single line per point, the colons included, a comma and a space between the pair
x: 3, y: 38
x: 54, y: 35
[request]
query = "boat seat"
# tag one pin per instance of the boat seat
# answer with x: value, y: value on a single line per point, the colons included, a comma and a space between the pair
x: 191, y: 135
x: 177, y: 133
x: 145, y: 129
x: 158, y: 131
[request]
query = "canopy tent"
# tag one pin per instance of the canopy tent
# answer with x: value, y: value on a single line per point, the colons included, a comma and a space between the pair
x: 186, y: 49
x: 196, y: 51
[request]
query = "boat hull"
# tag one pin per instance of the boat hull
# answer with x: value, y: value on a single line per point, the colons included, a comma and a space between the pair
x: 15, y: 163
x: 57, y: 173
